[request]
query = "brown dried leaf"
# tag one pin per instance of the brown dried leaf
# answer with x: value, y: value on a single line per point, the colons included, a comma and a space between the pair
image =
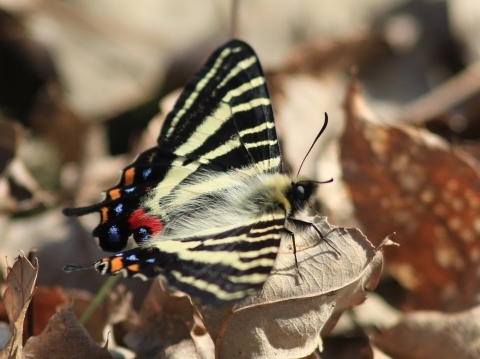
x: 21, y: 280
x: 46, y: 300
x: 429, y: 334
x: 166, y: 321
x: 409, y: 181
x: 80, y: 300
x: 289, y: 316
x: 64, y: 337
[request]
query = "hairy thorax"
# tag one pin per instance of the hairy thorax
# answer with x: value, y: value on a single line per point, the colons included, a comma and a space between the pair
x: 212, y: 200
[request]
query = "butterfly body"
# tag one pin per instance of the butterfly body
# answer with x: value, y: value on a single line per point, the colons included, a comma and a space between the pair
x: 211, y: 200
x: 208, y: 206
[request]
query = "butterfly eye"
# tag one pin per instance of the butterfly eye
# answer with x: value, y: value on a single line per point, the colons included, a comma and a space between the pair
x: 299, y: 192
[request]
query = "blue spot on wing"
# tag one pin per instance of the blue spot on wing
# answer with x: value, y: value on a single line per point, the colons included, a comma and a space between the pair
x: 132, y: 257
x: 119, y: 208
x: 146, y: 173
x: 144, y: 233
x: 129, y: 189
x: 113, y: 233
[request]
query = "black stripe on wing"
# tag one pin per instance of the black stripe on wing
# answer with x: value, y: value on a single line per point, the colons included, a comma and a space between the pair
x: 219, y: 269
x: 224, y: 117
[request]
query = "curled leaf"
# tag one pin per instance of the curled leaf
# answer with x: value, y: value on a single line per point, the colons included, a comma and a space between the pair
x: 292, y: 312
x: 165, y: 321
x: 21, y: 280
x: 64, y: 337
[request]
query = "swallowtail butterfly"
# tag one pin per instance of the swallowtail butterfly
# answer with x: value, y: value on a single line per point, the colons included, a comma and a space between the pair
x: 207, y: 206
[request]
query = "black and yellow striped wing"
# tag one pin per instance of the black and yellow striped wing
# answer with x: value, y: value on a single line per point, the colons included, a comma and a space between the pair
x: 218, y: 269
x: 224, y: 116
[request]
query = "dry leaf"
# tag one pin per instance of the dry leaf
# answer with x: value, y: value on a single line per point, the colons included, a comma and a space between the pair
x: 409, y: 181
x: 116, y: 312
x: 46, y: 300
x: 166, y: 321
x: 80, y: 300
x: 20, y: 285
x: 289, y: 316
x: 425, y: 335
x: 64, y: 337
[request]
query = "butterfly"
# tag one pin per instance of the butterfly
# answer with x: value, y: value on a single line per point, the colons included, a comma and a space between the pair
x: 208, y: 205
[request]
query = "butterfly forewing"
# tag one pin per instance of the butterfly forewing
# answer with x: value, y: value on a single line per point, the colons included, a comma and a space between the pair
x: 224, y: 117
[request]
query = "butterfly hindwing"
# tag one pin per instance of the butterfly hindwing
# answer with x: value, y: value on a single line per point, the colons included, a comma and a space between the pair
x: 121, y: 215
x: 218, y: 269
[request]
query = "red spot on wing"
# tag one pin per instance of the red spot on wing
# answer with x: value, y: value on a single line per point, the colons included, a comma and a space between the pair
x: 140, y: 218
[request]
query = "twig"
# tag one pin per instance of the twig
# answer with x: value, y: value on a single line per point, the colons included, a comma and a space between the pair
x: 441, y: 99
x: 102, y: 293
x: 234, y: 18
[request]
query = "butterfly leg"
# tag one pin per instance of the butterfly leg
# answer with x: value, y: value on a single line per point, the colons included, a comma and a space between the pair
x: 311, y: 224
x: 292, y: 235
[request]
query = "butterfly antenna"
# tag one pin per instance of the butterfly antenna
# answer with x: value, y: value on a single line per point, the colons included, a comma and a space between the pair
x: 325, y: 123
x: 69, y: 268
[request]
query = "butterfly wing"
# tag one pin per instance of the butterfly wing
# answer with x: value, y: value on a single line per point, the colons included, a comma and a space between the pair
x: 222, y: 120
x: 224, y: 116
x: 218, y: 269
x: 120, y: 213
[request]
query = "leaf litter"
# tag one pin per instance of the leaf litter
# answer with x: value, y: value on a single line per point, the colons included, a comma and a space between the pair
x: 63, y: 337
x: 434, y: 263
x: 20, y: 284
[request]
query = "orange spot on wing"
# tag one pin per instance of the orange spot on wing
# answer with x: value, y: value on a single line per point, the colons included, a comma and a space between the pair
x: 134, y: 267
x: 129, y: 176
x: 114, y: 193
x: 116, y: 264
x: 104, y: 214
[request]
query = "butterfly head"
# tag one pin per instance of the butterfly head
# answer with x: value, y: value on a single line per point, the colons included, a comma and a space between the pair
x: 301, y: 193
